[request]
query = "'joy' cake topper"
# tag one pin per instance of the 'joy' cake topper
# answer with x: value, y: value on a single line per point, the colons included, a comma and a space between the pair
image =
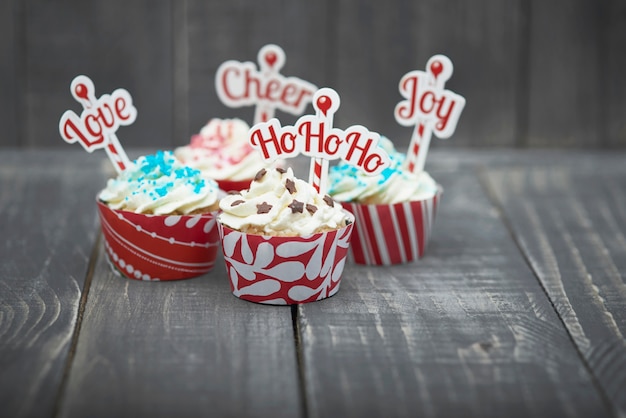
x: 241, y: 84
x: 96, y: 126
x: 315, y: 137
x: 429, y: 107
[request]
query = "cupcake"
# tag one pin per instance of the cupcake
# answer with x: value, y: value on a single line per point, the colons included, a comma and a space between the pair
x: 394, y: 210
x: 283, y: 242
x: 222, y: 152
x: 158, y: 218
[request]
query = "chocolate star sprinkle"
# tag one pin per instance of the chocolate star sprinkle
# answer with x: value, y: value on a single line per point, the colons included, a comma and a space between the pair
x: 281, y: 170
x: 311, y: 208
x: 260, y: 174
x: 263, y: 208
x: 237, y: 202
x: 329, y: 201
x: 290, y: 185
x: 296, y: 206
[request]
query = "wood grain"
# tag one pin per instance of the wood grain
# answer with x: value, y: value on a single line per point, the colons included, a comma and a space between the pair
x: 118, y: 44
x: 565, y: 96
x: 569, y: 221
x: 236, y: 30
x: 379, y: 42
x: 612, y: 69
x: 47, y: 219
x: 466, y: 331
x: 187, y: 348
x: 9, y: 80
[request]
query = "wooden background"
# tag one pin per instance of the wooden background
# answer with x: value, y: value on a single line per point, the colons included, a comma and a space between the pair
x: 535, y: 73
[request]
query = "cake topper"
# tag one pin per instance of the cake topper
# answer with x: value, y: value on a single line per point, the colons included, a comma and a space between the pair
x: 96, y: 126
x: 241, y: 84
x: 429, y: 107
x: 314, y: 136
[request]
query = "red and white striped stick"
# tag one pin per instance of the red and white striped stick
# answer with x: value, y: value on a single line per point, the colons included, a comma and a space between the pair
x: 325, y: 102
x: 113, y: 148
x: 439, y: 69
x: 96, y: 126
x: 420, y: 141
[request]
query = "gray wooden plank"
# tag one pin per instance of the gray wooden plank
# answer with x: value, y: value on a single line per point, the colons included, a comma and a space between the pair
x: 565, y: 95
x: 379, y: 42
x: 186, y: 349
x: 613, y: 67
x: 48, y: 224
x: 236, y: 30
x: 569, y: 220
x: 9, y: 80
x: 119, y: 44
x: 467, y: 331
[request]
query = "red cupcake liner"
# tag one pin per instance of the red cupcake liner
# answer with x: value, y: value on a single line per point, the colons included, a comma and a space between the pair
x: 285, y: 270
x: 159, y: 247
x: 392, y: 234
x: 234, y: 185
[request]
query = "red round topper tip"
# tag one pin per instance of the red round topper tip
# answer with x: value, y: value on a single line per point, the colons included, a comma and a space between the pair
x: 270, y: 58
x: 436, y: 68
x: 324, y: 103
x: 81, y: 91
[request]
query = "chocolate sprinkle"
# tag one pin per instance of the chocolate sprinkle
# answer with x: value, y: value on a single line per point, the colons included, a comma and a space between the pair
x: 290, y: 185
x: 233, y: 192
x: 296, y: 206
x: 329, y: 201
x: 263, y: 208
x: 281, y: 170
x: 260, y: 174
x: 237, y: 202
x: 311, y: 208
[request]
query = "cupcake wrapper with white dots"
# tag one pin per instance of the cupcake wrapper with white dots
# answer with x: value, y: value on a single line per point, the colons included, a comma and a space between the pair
x: 159, y: 247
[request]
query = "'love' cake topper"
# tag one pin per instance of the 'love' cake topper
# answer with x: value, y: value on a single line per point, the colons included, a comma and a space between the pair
x: 429, y: 107
x: 96, y: 126
x: 315, y: 137
x: 241, y: 84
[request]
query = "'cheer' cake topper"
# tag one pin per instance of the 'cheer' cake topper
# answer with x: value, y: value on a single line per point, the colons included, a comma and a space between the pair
x: 241, y: 84
x: 96, y: 126
x: 429, y: 107
x: 315, y: 137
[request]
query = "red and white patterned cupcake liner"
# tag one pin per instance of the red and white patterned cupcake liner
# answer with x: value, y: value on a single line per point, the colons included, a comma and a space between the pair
x: 394, y: 233
x: 285, y: 270
x: 159, y: 247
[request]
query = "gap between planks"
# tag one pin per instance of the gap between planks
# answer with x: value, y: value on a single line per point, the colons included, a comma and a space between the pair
x: 93, y: 259
x: 297, y: 339
x: 483, y: 178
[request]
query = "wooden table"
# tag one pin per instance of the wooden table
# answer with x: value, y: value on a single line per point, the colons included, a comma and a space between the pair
x: 517, y: 309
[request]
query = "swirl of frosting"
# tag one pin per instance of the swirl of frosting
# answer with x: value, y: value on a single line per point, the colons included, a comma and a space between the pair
x: 278, y: 203
x: 160, y: 184
x: 348, y: 183
x: 222, y: 152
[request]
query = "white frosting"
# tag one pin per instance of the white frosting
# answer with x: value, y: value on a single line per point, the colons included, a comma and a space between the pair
x: 294, y: 208
x: 350, y: 184
x: 159, y: 184
x: 222, y: 152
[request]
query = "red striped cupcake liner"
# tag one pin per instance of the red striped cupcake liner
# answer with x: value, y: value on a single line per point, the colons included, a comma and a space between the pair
x: 392, y: 234
x: 159, y: 247
x: 285, y: 270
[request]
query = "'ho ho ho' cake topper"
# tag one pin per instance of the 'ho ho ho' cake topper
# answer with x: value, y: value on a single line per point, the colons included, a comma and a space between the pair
x: 429, y: 107
x: 241, y: 84
x: 315, y: 137
x: 96, y: 126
